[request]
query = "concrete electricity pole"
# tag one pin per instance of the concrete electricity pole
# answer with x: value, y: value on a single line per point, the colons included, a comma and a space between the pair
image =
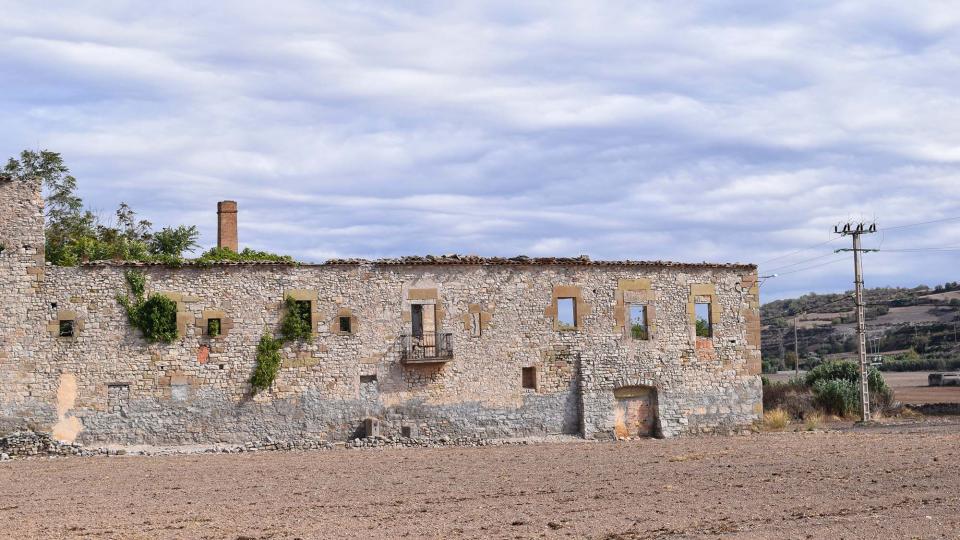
x: 796, y: 350
x: 855, y: 231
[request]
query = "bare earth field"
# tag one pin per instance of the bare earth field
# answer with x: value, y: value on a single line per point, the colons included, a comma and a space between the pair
x: 894, y: 482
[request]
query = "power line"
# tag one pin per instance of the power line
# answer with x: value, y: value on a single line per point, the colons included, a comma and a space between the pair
x: 801, y: 250
x: 774, y: 269
x: 810, y: 267
x: 909, y: 225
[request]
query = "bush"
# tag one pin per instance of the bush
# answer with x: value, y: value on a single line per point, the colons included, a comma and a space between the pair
x: 837, y: 396
x: 268, y: 362
x: 638, y: 331
x: 155, y: 317
x: 833, y: 370
x: 224, y: 254
x: 776, y: 420
x: 812, y: 421
x: 297, y: 321
x: 794, y: 397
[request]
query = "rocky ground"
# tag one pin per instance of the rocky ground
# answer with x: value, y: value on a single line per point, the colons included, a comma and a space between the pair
x: 897, y: 481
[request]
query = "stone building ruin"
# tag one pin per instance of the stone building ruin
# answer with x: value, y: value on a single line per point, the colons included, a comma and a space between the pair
x: 429, y: 346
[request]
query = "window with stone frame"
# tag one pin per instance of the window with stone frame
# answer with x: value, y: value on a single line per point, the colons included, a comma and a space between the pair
x: 67, y: 328
x: 476, y: 326
x: 345, y: 324
x: 703, y: 319
x: 214, y: 327
x: 639, y: 327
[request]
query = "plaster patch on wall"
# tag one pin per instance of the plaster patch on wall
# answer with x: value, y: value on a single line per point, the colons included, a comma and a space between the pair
x: 67, y: 427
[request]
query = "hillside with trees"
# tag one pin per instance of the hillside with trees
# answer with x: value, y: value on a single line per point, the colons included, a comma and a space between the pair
x: 907, y: 328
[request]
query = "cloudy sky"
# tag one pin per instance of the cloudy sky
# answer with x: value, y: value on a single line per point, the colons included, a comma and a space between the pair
x: 720, y: 131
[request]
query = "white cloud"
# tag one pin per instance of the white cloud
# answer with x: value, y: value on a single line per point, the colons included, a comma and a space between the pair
x: 715, y: 130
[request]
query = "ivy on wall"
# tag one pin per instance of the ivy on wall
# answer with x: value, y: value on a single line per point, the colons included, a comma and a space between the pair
x: 296, y: 325
x: 155, y: 317
x: 268, y: 362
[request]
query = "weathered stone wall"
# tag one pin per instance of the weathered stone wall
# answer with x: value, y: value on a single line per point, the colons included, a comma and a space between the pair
x: 107, y: 384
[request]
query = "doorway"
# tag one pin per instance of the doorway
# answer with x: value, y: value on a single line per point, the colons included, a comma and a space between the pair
x: 635, y: 412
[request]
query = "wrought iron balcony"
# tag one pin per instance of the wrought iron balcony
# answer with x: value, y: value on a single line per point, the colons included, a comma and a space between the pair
x: 426, y: 348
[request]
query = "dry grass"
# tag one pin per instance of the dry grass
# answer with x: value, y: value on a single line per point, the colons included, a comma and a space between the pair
x: 776, y: 420
x: 813, y: 421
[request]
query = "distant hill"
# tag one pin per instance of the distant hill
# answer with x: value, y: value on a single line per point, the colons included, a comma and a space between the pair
x: 910, y: 329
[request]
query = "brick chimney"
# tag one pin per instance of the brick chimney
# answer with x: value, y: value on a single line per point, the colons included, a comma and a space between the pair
x: 227, y: 225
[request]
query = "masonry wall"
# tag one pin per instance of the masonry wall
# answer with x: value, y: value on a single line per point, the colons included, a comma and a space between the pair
x: 107, y: 384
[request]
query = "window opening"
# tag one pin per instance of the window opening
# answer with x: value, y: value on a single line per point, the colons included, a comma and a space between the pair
x: 566, y: 313
x: 67, y: 328
x: 528, y: 377
x: 638, y: 322
x: 213, y: 327
x: 703, y: 319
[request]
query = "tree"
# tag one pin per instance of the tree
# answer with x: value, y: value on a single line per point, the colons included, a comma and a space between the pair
x: 173, y: 241
x: 74, y: 234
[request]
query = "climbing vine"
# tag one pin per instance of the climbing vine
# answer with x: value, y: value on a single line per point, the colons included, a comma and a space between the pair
x: 296, y: 325
x: 155, y: 317
x: 268, y: 362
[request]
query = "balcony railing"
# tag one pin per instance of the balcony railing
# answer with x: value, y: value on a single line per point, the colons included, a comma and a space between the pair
x: 428, y: 348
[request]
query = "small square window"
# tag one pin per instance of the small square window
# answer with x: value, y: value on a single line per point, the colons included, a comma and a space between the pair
x: 638, y: 322
x: 67, y: 328
x: 345, y: 325
x: 566, y: 313
x: 528, y: 377
x: 213, y: 327
x: 704, y: 321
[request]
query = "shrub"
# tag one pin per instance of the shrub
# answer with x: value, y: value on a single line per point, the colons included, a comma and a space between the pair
x: 297, y: 321
x: 213, y: 328
x: 268, y: 362
x: 833, y: 370
x: 639, y: 331
x: 812, y: 421
x: 793, y: 397
x: 224, y: 254
x: 776, y: 420
x: 155, y: 317
x: 837, y: 396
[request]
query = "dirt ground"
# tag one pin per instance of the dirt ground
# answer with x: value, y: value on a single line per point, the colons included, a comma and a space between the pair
x: 898, y: 482
x: 911, y: 387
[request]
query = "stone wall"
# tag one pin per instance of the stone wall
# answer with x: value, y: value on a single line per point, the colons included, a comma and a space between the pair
x: 107, y: 384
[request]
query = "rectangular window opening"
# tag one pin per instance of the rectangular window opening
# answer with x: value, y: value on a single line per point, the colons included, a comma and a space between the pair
x: 476, y: 329
x: 67, y: 328
x: 638, y: 322
x: 367, y: 379
x: 213, y: 327
x: 703, y: 319
x: 345, y: 325
x: 528, y: 377
x: 566, y: 313
x: 304, y: 311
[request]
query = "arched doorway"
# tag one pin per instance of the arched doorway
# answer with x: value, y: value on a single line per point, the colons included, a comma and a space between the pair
x: 635, y: 411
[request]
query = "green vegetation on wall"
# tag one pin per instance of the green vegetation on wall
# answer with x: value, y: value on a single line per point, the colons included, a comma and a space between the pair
x: 155, y: 317
x: 297, y: 320
x: 268, y: 362
x: 225, y: 254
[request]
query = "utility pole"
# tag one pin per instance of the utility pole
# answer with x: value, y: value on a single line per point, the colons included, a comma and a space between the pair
x: 855, y: 231
x: 796, y: 350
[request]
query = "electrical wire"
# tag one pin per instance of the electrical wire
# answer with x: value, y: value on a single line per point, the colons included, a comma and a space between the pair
x: 801, y: 250
x: 909, y: 225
